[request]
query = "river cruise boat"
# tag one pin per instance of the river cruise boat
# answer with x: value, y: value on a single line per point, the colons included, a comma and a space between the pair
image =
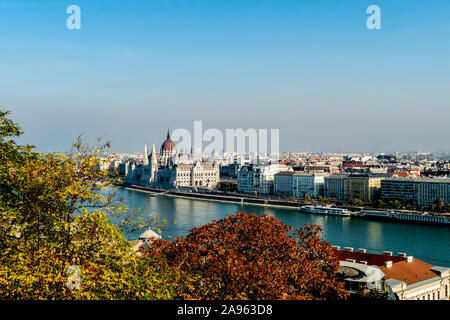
x: 424, y: 218
x: 330, y: 211
x: 428, y: 218
x: 377, y: 215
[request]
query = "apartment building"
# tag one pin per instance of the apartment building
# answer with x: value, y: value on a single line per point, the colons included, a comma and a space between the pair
x: 428, y: 190
x: 308, y: 184
x: 259, y: 178
x: 365, y: 187
x: 335, y: 186
x: 420, y: 191
x: 397, y: 189
x: 283, y: 183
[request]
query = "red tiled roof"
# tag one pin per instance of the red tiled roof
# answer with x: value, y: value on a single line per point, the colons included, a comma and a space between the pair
x: 402, y: 270
x: 405, y: 174
x: 411, y: 272
x: 372, y: 259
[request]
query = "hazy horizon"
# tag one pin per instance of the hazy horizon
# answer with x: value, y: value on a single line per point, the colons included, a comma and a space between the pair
x: 309, y: 68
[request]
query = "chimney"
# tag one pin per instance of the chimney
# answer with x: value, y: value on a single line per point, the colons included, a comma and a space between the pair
x: 336, y: 247
x: 388, y: 253
x: 348, y: 249
x: 361, y: 250
x: 410, y: 259
x: 388, y: 264
x: 401, y: 254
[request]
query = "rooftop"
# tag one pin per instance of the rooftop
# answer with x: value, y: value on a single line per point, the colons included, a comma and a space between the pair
x: 412, y: 272
x: 409, y: 272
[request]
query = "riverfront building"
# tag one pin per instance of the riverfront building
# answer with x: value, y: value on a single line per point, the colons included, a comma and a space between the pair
x: 257, y: 178
x: 419, y: 191
x: 283, y: 183
x: 397, y: 189
x: 335, y: 186
x: 428, y: 190
x: 230, y: 171
x: 308, y: 184
x: 298, y: 184
x: 171, y: 170
x: 365, y: 187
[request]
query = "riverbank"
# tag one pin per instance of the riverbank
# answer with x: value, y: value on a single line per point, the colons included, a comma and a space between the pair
x: 242, y: 199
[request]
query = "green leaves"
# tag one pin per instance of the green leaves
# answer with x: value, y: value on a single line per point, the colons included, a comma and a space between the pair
x: 8, y: 128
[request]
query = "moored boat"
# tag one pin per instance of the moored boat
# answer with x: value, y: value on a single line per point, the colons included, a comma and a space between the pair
x: 325, y: 210
x: 423, y: 218
x: 377, y: 215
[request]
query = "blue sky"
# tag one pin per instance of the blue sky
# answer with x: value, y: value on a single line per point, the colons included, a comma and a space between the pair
x: 310, y: 68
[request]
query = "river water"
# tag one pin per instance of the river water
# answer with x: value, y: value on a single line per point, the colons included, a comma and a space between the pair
x: 430, y: 243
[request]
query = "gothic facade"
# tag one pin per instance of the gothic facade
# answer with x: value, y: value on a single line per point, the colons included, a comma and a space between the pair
x: 169, y: 170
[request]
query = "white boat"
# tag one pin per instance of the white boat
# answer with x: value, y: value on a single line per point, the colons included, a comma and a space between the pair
x: 313, y: 209
x: 325, y: 210
x: 338, y: 212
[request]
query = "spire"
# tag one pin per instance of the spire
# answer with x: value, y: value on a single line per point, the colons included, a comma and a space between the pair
x: 153, y: 156
x: 168, y: 134
x: 145, y: 155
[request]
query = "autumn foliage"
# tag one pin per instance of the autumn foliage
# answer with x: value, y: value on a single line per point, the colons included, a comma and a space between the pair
x: 245, y: 256
x: 54, y: 218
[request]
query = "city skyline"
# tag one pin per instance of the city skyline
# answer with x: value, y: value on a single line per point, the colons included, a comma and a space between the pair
x: 313, y: 70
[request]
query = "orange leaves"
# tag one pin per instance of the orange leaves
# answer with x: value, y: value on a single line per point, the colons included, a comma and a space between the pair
x: 244, y: 256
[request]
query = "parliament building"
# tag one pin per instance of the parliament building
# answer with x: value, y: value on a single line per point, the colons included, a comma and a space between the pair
x: 170, y: 170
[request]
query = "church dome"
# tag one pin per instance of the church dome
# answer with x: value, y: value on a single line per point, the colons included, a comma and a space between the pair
x: 168, y: 144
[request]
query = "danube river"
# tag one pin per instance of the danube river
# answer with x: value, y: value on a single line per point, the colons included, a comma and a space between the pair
x: 429, y: 243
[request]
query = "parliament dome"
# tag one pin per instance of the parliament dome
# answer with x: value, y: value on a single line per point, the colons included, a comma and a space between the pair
x: 168, y: 144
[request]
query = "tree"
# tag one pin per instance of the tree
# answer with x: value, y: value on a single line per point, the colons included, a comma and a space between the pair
x: 396, y: 204
x: 227, y: 186
x: 357, y: 202
x: 53, y: 216
x: 379, y: 203
x: 368, y: 294
x: 438, y: 205
x: 245, y: 256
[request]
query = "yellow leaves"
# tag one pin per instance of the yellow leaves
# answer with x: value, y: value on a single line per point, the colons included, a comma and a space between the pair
x: 64, y: 220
